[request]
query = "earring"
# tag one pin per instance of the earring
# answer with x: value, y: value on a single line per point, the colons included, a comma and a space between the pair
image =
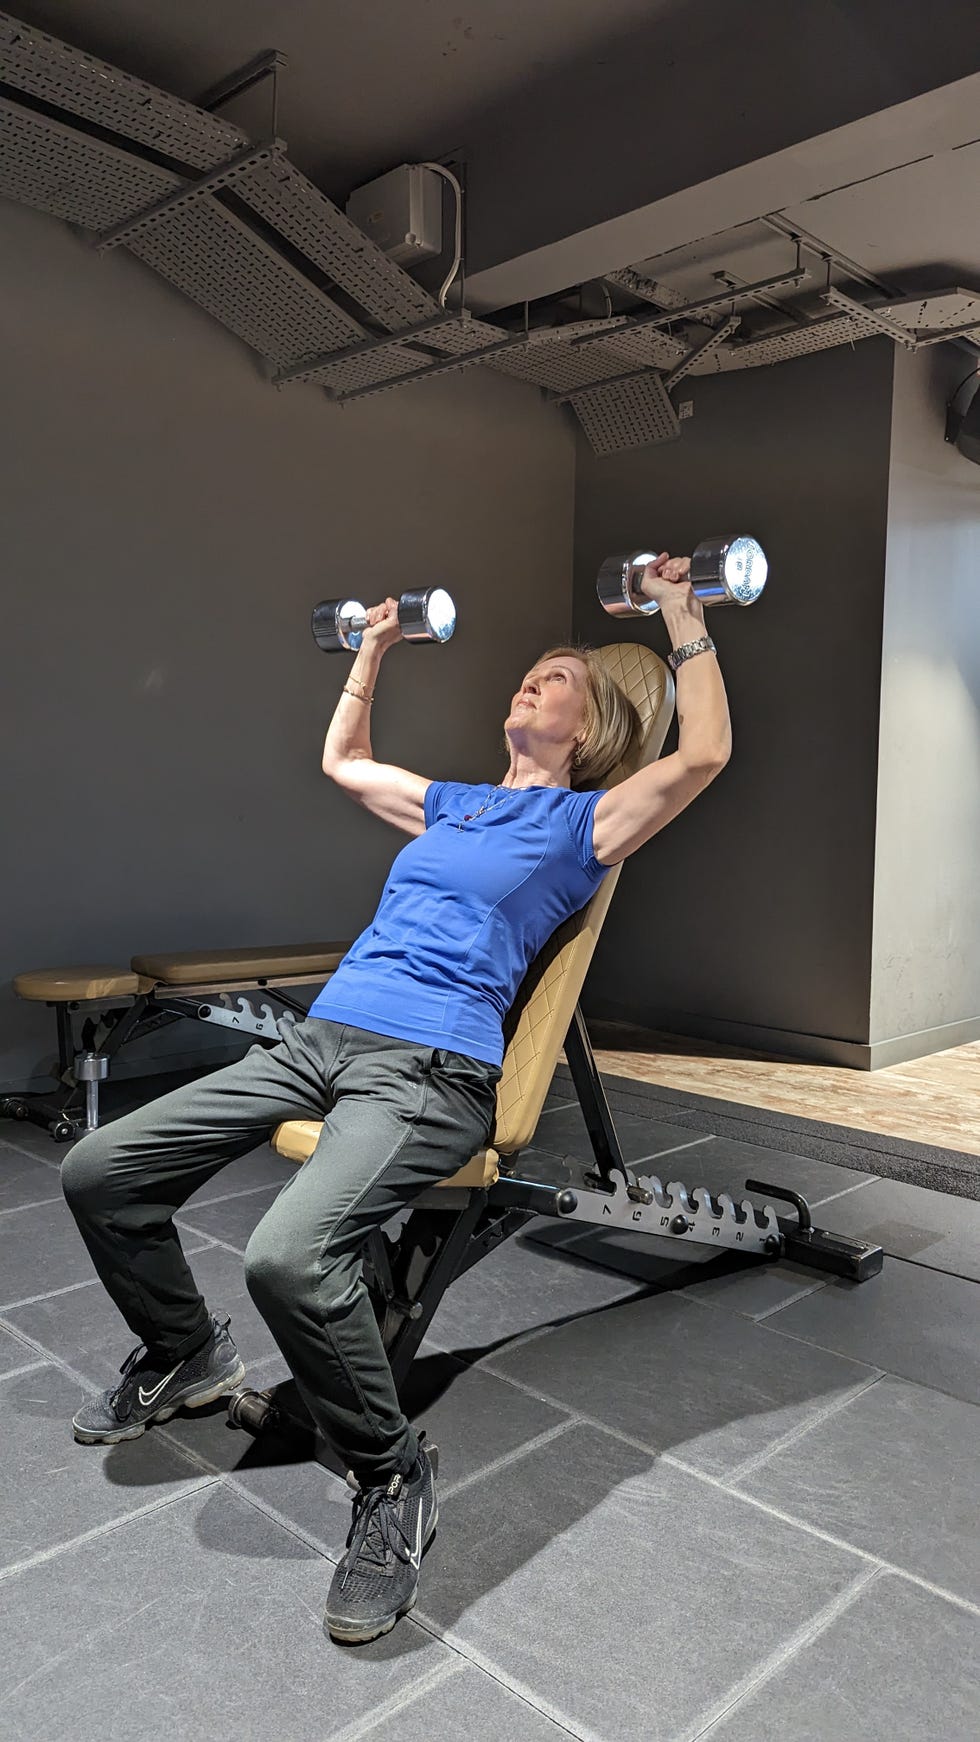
x: 577, y: 758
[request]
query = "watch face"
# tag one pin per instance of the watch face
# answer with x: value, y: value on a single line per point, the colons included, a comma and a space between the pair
x: 746, y: 570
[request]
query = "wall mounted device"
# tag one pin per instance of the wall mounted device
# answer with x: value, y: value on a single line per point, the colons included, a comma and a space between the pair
x: 401, y: 212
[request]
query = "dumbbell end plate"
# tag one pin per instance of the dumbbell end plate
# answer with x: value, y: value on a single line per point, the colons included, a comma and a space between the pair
x: 618, y: 585
x: 729, y: 570
x: 429, y: 615
x: 332, y: 625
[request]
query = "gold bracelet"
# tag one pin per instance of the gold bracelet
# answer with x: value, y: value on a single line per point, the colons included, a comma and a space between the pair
x: 367, y: 700
x: 360, y: 681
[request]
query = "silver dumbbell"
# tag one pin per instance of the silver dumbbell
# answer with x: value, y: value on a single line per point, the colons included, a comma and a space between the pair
x: 429, y: 615
x: 724, y: 571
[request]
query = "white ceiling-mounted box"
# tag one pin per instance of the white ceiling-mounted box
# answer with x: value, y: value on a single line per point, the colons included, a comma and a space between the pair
x: 401, y: 212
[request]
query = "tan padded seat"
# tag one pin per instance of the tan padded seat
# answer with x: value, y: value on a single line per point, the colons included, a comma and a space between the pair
x: 68, y: 985
x: 212, y: 966
x: 297, y: 1139
x: 542, y: 1011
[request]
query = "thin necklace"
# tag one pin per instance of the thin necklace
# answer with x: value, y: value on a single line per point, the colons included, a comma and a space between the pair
x: 486, y: 805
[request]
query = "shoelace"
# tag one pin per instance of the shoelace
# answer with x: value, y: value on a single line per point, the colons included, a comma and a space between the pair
x: 141, y: 1353
x: 128, y: 1370
x: 374, y: 1531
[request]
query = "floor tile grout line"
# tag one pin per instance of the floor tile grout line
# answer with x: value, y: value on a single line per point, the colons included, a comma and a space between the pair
x: 739, y: 1494
x: 641, y: 1160
x: 827, y: 1536
x: 397, y: 1703
x: 214, y: 1471
x: 801, y: 1294
x: 228, y: 1480
x: 888, y: 1372
x: 26, y: 1367
x: 9, y: 1306
x: 518, y: 1341
x: 803, y: 1428
x: 514, y: 1456
x: 530, y: 1696
x: 937, y: 1269
x: 723, y: 1306
x: 47, y: 1358
x: 225, y: 1245
x: 188, y: 1488
x: 35, y: 1204
x: 874, y: 1180
x: 32, y: 1154
x: 803, y: 1636
x: 229, y: 1197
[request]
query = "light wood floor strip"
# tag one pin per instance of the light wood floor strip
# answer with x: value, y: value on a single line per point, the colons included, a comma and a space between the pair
x: 933, y: 1100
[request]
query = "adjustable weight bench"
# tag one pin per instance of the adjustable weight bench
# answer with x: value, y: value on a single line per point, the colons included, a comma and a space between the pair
x: 453, y: 1225
x: 232, y: 988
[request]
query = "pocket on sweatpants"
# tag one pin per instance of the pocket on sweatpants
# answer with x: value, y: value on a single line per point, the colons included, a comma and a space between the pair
x: 457, y: 1067
x: 472, y: 1080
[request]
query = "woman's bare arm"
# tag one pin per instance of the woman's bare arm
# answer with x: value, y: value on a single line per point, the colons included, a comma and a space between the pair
x: 629, y: 814
x: 394, y: 794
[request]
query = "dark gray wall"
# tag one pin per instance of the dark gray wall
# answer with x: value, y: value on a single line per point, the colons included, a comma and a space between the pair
x: 168, y: 522
x: 926, y: 976
x: 749, y: 917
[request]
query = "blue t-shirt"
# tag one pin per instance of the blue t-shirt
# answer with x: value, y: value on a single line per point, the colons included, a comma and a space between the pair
x: 466, y: 908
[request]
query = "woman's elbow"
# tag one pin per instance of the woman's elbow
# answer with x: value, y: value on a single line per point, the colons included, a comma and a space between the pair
x: 347, y: 772
x: 333, y: 767
x: 707, y: 763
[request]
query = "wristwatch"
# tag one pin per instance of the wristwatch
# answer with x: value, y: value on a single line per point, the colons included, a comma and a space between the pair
x: 688, y: 651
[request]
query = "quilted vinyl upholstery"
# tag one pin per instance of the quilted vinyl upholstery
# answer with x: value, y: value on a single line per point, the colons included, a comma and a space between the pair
x: 539, y: 1019
x: 541, y: 1013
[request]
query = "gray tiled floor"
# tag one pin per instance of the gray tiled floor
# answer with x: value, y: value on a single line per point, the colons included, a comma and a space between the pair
x: 852, y: 1679
x: 678, y: 1500
x: 930, y: 1228
x: 229, y: 1219
x: 82, y: 1329
x: 573, y: 1586
x: 52, y: 1494
x: 521, y: 1287
x: 713, y: 1389
x: 897, y: 1473
x: 25, y: 1179
x: 201, y: 1619
x: 912, y: 1321
x: 464, y: 1702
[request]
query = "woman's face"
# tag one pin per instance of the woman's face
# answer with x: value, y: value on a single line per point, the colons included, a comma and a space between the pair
x: 549, y: 707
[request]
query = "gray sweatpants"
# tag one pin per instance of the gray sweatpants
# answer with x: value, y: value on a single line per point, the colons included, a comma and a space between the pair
x: 398, y: 1117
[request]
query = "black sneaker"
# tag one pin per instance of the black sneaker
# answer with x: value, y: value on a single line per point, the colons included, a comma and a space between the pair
x: 149, y: 1392
x: 378, y: 1578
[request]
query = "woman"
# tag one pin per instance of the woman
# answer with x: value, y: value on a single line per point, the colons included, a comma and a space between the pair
x: 400, y: 1056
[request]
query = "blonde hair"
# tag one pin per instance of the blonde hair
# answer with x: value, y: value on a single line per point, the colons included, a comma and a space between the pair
x: 612, y: 725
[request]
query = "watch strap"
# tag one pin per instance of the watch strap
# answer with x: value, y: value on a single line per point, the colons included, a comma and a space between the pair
x: 688, y: 651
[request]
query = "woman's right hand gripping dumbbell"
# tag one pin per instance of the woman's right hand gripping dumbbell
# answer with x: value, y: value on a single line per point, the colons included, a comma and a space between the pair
x: 383, y: 628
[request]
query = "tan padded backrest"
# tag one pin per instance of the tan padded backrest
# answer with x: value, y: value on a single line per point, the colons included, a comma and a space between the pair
x: 539, y: 1019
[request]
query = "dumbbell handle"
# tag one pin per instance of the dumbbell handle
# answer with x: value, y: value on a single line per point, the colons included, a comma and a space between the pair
x: 724, y: 571
x: 426, y: 615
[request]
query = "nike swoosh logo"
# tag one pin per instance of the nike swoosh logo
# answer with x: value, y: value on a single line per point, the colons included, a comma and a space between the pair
x: 415, y: 1558
x: 148, y: 1397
